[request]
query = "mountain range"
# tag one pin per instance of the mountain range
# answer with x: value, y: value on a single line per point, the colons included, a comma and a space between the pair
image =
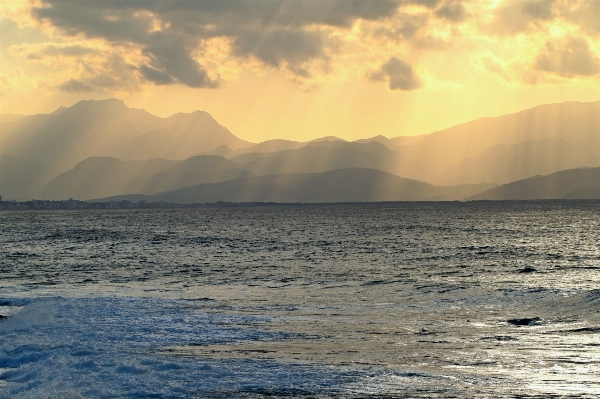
x: 342, y: 185
x: 100, y: 149
x: 109, y: 128
x: 583, y: 183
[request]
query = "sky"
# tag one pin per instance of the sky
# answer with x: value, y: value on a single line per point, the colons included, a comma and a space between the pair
x: 302, y: 69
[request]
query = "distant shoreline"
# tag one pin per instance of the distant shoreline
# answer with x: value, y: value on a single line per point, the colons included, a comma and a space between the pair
x: 77, y: 205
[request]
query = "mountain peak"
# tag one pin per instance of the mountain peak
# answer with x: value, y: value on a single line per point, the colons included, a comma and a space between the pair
x: 59, y: 110
x: 191, y: 115
x: 326, y: 138
x: 113, y: 101
x: 111, y: 104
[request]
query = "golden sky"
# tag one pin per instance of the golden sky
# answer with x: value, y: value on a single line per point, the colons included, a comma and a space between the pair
x: 302, y: 69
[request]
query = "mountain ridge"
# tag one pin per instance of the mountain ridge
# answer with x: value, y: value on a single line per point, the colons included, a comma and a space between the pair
x: 558, y: 185
x: 425, y: 158
x: 539, y: 140
x: 110, y: 128
x: 97, y: 175
x: 342, y: 185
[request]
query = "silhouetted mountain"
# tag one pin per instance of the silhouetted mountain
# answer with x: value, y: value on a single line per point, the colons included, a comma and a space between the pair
x: 272, y: 146
x: 500, y: 149
x: 88, y: 128
x: 181, y: 136
x: 97, y: 176
x: 104, y: 176
x: 18, y: 176
x: 193, y: 171
x: 4, y: 118
x: 573, y: 183
x: 59, y: 110
x: 586, y: 193
x: 508, y: 163
x: 110, y: 128
x: 540, y: 140
x: 264, y: 147
x: 393, y: 143
x: 431, y: 155
x: 326, y: 138
x: 279, y: 145
x: 320, y: 157
x: 345, y: 185
x: 222, y: 151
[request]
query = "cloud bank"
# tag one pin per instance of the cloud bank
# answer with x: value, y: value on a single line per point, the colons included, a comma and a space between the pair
x: 170, y: 34
x: 122, y: 45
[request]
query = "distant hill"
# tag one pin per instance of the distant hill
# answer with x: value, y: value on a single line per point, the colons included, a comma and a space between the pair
x: 326, y: 139
x: 97, y: 176
x: 573, y: 183
x: 181, y: 136
x: 19, y: 176
x: 506, y: 163
x: 537, y: 141
x: 110, y: 128
x: 430, y: 156
x: 105, y: 176
x: 585, y: 193
x: 271, y: 146
x: 59, y: 110
x: 193, y: 171
x: 344, y: 185
x: 264, y: 147
x: 10, y: 117
x: 393, y: 143
x: 320, y: 156
x: 540, y: 140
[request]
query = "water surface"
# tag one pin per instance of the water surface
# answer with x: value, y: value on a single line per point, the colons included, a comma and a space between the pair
x: 390, y: 300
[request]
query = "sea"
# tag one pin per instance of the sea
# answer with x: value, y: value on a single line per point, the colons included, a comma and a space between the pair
x: 388, y: 300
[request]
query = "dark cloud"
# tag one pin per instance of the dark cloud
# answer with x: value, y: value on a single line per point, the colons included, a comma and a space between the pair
x: 170, y: 53
x: 569, y: 59
x: 424, y: 3
x: 412, y: 29
x: 273, y: 31
x: 516, y: 16
x: 453, y: 11
x: 407, y: 27
x: 399, y: 74
x: 98, y: 69
x: 75, y: 86
x: 155, y: 76
x: 586, y: 15
x: 293, y: 46
x: 539, y: 9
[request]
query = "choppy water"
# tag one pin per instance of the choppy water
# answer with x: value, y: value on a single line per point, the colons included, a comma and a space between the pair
x: 321, y: 302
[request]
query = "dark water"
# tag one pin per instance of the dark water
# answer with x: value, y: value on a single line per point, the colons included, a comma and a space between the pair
x: 447, y: 300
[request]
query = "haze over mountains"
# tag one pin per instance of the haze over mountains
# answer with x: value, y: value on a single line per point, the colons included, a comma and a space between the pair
x: 98, y: 149
x: 342, y: 185
x: 98, y: 177
x: 583, y: 183
x: 110, y: 128
x: 510, y: 162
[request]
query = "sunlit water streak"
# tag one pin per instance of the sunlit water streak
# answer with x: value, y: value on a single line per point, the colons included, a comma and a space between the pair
x: 320, y: 301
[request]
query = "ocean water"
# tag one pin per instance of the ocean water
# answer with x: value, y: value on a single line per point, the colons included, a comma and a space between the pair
x: 356, y: 301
